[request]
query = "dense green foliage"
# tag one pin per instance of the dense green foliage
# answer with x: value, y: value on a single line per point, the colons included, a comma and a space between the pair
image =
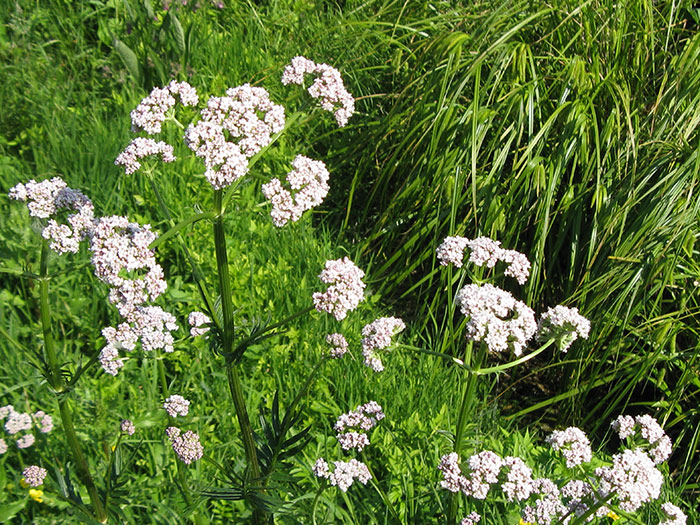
x: 566, y: 130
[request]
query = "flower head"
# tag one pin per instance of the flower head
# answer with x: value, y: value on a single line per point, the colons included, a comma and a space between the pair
x: 344, y: 473
x: 471, y: 519
x: 150, y: 114
x: 127, y: 427
x: 245, y: 114
x: 34, y: 475
x: 328, y: 87
x: 198, y: 322
x: 632, y: 478
x: 309, y: 182
x: 346, y: 288
x: 377, y: 336
x: 142, y: 147
x: 573, y: 445
x: 564, y: 325
x: 484, y: 251
x: 186, y: 445
x: 47, y: 199
x: 496, y: 318
x: 339, y: 345
x: 674, y: 514
x: 176, y: 405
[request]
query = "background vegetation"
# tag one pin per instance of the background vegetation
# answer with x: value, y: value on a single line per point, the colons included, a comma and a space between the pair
x: 566, y: 130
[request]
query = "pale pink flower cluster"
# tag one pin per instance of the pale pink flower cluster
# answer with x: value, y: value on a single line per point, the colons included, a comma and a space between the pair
x: 142, y: 147
x: 127, y: 427
x: 352, y: 426
x: 496, y: 318
x: 309, y: 182
x: 339, y: 345
x: 451, y: 251
x: 46, y: 200
x: 484, y: 251
x: 176, y: 405
x: 632, y: 478
x: 328, y: 86
x: 484, y: 470
x: 659, y: 444
x: 186, y: 446
x: 547, y: 507
x: 344, y: 474
x: 675, y: 515
x: 122, y: 259
x: 377, y: 336
x: 472, y: 519
x: 236, y: 116
x: 34, y: 475
x: 19, y: 426
x: 573, y: 445
x: 518, y: 482
x: 578, y: 495
x: 346, y: 288
x: 564, y: 325
x: 149, y: 115
x: 198, y: 323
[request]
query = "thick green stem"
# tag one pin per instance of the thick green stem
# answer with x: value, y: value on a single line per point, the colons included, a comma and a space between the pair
x: 227, y: 339
x: 57, y: 383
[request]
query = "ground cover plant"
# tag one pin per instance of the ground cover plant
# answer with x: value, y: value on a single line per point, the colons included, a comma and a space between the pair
x: 457, y: 391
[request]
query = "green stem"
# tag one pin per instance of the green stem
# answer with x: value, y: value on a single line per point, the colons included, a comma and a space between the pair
x: 227, y: 338
x: 465, y: 410
x: 196, y: 272
x: 57, y: 383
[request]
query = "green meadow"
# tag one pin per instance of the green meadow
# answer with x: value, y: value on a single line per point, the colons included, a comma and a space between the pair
x: 568, y: 131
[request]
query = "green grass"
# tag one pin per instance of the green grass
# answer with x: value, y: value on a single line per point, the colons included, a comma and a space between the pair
x: 567, y: 131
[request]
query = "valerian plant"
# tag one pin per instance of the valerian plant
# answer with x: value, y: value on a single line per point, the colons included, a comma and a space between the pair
x: 229, y: 135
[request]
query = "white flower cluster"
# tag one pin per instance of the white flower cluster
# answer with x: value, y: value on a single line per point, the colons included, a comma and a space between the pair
x: 236, y: 116
x: 309, y: 182
x: 472, y: 519
x: 127, y: 427
x: 547, y: 508
x: 573, y: 445
x: 46, y: 200
x: 186, y: 446
x: 377, y: 336
x: 34, y: 475
x: 122, y: 259
x: 674, y: 514
x: 346, y: 288
x: 149, y: 115
x: 564, y: 325
x: 496, y: 318
x: 328, y: 87
x: 19, y: 426
x: 344, y: 474
x: 198, y: 323
x: 352, y: 426
x: 630, y: 481
x: 176, y: 405
x: 484, y: 251
x: 632, y: 478
x: 142, y: 147
x: 658, y: 444
x: 339, y: 345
